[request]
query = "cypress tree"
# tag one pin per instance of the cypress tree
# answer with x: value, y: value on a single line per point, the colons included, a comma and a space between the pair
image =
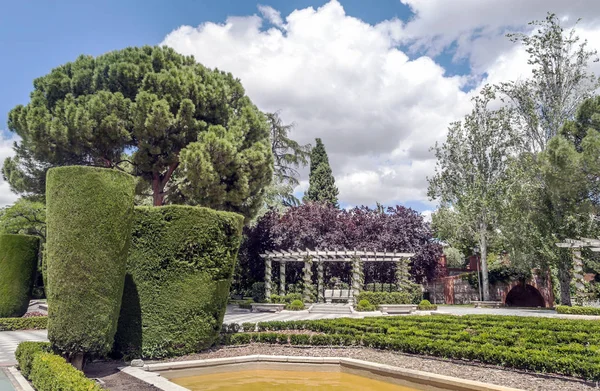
x: 322, y: 186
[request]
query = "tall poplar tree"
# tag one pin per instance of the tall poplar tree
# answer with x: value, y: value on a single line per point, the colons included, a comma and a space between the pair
x: 321, y: 183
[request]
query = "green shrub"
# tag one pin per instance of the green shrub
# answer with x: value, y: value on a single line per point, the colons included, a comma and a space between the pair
x: 292, y: 297
x: 295, y: 305
x: 89, y: 215
x: 18, y: 264
x: 241, y: 339
x: 246, y: 304
x: 300, y: 339
x: 276, y: 299
x: 577, y: 310
x: 50, y: 372
x: 425, y: 305
x: 258, y: 292
x: 25, y: 352
x: 364, y: 305
x: 248, y: 327
x: 377, y: 298
x: 179, y: 272
x: 267, y: 338
x: 33, y: 323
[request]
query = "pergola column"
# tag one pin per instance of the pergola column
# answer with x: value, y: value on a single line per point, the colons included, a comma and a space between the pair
x: 282, y: 278
x: 268, y: 279
x: 578, y: 279
x: 357, y: 276
x: 321, y: 292
x: 402, y: 276
x: 307, y: 275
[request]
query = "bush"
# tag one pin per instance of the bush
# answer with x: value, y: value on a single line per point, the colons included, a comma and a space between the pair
x: 425, y: 305
x: 50, y: 372
x: 246, y: 304
x: 377, y: 298
x: 178, y: 277
x: 577, y: 310
x: 258, y: 292
x: 241, y: 339
x: 18, y: 264
x: 364, y: 305
x: 300, y: 339
x: 295, y: 305
x: 25, y: 352
x: 89, y: 214
x: 248, y: 327
x: 454, y: 258
x: 33, y: 323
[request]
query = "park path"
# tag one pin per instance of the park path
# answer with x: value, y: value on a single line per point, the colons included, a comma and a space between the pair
x: 9, y: 340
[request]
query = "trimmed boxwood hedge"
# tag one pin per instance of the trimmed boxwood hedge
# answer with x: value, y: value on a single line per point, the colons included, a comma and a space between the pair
x: 89, y: 215
x: 18, y: 263
x: 33, y: 323
x: 577, y: 310
x: 179, y: 272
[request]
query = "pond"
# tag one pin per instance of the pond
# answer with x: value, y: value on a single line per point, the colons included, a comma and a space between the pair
x: 279, y: 380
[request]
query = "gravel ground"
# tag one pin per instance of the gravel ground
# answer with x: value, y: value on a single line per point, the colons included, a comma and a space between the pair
x: 483, y: 373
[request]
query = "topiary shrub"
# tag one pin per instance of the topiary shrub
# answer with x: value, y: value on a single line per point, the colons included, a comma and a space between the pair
x: 295, y: 305
x: 25, y: 352
x: 18, y: 263
x: 89, y: 215
x: 425, y: 305
x: 179, y: 272
x: 364, y: 305
x: 50, y: 372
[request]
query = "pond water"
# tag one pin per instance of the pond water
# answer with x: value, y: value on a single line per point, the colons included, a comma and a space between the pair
x: 275, y: 380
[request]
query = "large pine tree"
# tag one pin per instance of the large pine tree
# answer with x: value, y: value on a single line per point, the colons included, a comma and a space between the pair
x: 321, y: 181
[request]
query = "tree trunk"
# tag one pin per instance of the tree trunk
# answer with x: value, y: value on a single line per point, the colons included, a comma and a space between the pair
x: 485, y: 282
x: 158, y: 197
x: 564, y: 278
x: 78, y: 360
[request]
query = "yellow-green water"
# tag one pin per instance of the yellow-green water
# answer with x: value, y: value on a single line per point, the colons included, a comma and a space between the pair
x: 267, y: 380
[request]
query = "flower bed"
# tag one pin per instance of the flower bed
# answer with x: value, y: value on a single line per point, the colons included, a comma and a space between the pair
x: 561, y: 346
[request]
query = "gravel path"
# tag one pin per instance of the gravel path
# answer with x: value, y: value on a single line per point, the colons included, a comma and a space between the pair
x: 483, y: 373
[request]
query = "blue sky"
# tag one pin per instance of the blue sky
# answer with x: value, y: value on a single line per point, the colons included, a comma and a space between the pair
x: 378, y: 81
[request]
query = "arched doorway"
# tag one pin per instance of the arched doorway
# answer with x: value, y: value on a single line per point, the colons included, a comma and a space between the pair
x: 524, y: 295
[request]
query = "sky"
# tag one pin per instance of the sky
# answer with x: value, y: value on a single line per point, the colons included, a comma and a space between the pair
x: 378, y: 81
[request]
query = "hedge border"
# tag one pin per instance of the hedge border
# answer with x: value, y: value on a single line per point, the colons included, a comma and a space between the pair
x: 578, y: 310
x: 33, y: 323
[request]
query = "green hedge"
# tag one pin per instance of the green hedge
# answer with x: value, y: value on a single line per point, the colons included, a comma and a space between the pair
x: 50, y: 372
x: 425, y: 305
x: 377, y: 298
x: 25, y: 352
x: 33, y: 323
x: 577, y: 310
x: 89, y: 215
x: 562, y: 346
x: 18, y: 263
x: 178, y: 277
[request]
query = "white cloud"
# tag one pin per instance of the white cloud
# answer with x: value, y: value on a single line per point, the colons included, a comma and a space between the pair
x: 377, y: 109
x: 6, y: 196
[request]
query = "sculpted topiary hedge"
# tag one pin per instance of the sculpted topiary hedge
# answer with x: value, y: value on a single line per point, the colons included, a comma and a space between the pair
x: 89, y: 215
x: 18, y: 262
x: 178, y: 276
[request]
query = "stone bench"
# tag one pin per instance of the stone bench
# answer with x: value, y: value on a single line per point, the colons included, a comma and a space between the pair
x: 338, y: 294
x: 397, y: 308
x: 268, y: 307
x: 487, y: 304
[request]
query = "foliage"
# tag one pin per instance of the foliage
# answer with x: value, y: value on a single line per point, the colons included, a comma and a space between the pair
x: 377, y: 298
x: 33, y: 323
x: 178, y: 277
x: 454, y: 258
x: 559, y: 83
x: 577, y: 310
x: 320, y: 225
x: 500, y: 273
x: 166, y: 108
x: 288, y: 156
x: 258, y: 292
x: 561, y: 346
x: 295, y: 305
x: 50, y: 372
x: 471, y: 170
x: 25, y: 352
x: 89, y: 214
x: 288, y: 298
x: 425, y: 305
x: 18, y: 261
x: 365, y: 306
x: 321, y: 183
x: 24, y: 217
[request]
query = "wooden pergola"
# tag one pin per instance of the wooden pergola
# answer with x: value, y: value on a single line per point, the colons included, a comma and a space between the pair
x: 576, y: 245
x: 308, y: 257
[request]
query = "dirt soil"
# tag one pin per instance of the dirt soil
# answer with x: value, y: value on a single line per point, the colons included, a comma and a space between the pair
x: 115, y: 380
